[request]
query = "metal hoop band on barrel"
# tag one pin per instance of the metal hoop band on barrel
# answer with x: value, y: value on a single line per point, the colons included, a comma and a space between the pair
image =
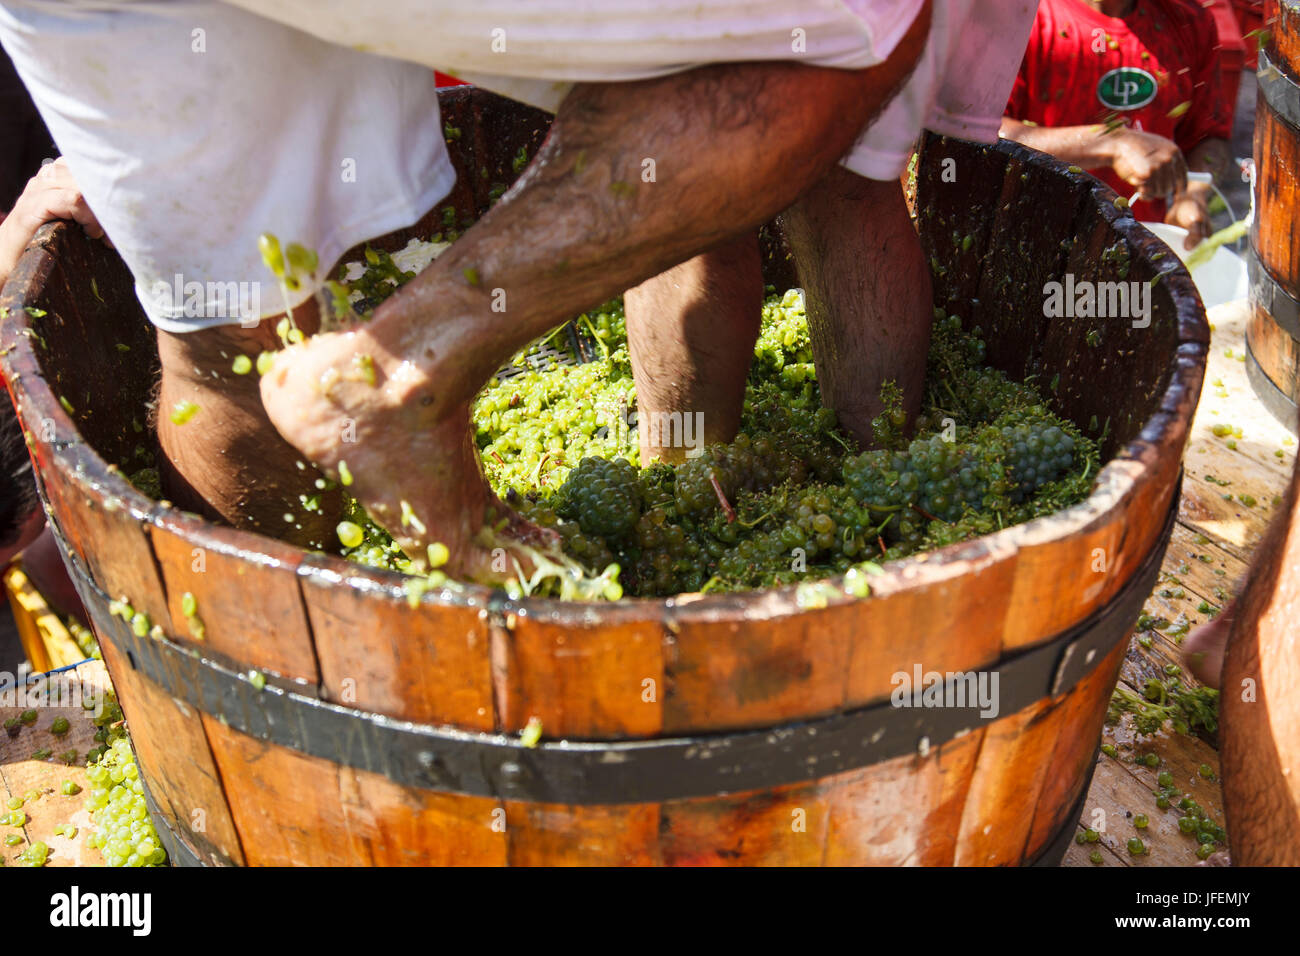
x: 1278, y: 402
x: 1283, y: 308
x: 180, y: 853
x: 610, y: 772
x: 1272, y: 296
x: 1280, y: 91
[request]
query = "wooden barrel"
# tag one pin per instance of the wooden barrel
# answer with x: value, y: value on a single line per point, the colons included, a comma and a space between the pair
x: 1273, y: 332
x: 739, y: 729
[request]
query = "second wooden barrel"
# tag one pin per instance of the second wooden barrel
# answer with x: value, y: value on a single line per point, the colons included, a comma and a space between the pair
x: 1273, y: 333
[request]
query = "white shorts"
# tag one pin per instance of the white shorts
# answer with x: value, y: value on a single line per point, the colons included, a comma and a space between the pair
x: 960, y: 86
x: 192, y: 126
x: 535, y: 51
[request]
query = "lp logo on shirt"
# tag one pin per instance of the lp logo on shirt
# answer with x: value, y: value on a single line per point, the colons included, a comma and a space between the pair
x: 1126, y: 88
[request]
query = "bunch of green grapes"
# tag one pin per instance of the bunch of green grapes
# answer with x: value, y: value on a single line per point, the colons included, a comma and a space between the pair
x: 960, y: 388
x: 603, y: 497
x: 993, y: 469
x: 124, y: 834
x: 793, y: 417
x: 783, y: 340
x: 724, y: 471
x: 799, y: 531
x: 381, y: 278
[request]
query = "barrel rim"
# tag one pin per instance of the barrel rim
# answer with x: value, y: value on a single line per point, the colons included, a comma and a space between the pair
x: 1118, y: 480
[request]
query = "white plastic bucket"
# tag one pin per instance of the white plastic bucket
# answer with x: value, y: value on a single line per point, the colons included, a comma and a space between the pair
x: 1221, y: 279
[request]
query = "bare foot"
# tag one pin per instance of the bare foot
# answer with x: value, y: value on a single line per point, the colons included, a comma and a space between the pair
x: 354, y: 409
x: 1204, y: 647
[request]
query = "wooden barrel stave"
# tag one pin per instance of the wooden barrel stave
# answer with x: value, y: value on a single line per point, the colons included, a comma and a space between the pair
x: 166, y: 732
x: 1024, y: 252
x: 293, y: 809
x: 959, y: 625
x: 553, y: 834
x: 495, y: 663
x: 1078, y: 719
x: 949, y: 217
x: 904, y: 811
x: 190, y: 796
x: 604, y: 682
x: 439, y: 672
x: 270, y: 635
x: 1004, y: 783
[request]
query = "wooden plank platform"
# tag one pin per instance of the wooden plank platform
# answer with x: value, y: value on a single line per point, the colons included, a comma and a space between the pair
x: 22, y: 773
x: 1207, y: 561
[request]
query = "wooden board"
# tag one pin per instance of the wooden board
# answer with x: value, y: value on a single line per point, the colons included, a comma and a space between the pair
x: 20, y: 774
x: 1208, y: 559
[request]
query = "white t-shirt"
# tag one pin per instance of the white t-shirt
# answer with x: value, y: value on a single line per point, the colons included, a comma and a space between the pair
x: 192, y: 126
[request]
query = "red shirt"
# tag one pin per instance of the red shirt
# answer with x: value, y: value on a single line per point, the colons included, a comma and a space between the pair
x: 1155, y: 70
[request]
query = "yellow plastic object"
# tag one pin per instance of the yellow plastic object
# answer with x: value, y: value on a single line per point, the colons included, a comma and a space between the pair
x: 46, y: 642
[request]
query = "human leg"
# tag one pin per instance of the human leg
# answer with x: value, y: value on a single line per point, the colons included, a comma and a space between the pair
x: 579, y: 226
x: 867, y: 293
x: 691, y: 333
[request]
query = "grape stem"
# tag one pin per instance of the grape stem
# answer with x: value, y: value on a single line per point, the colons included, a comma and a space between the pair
x: 536, y: 476
x: 925, y: 514
x: 842, y: 443
x: 881, y: 527
x: 592, y: 329
x: 722, y: 498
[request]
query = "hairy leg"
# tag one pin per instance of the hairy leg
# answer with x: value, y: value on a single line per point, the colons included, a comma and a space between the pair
x: 1259, y: 707
x: 733, y: 145
x: 227, y: 462
x: 691, y: 331
x: 867, y: 291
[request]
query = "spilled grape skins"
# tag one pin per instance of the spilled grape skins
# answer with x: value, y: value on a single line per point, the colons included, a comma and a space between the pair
x: 792, y: 498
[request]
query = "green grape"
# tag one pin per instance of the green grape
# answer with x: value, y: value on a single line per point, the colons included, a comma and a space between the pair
x: 350, y: 534
x: 183, y: 411
x: 269, y: 246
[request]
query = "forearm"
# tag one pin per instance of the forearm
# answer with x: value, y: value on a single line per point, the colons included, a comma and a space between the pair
x: 730, y: 147
x: 12, y: 243
x: 1088, y: 147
